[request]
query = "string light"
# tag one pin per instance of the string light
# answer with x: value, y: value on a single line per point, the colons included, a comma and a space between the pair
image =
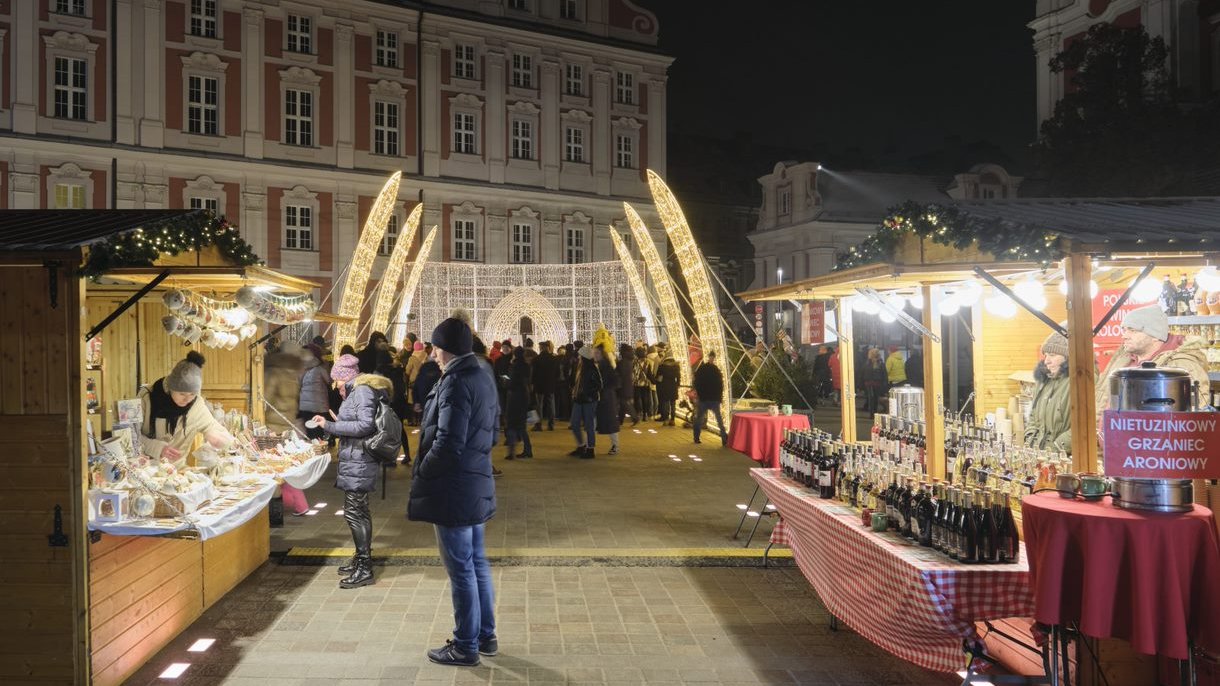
x: 707, y: 311
x: 393, y: 271
x: 637, y: 286
x: 362, y: 262
x: 671, y: 314
x: 505, y: 319
x: 417, y: 272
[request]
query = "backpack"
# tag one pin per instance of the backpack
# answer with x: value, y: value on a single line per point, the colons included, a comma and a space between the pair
x: 386, y: 440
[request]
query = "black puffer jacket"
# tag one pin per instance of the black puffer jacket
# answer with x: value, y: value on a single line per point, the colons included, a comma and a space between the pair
x: 451, y: 483
x: 546, y: 373
x: 708, y: 383
x: 607, y: 405
x: 358, y: 471
x: 669, y: 377
x: 586, y: 381
x: 517, y: 400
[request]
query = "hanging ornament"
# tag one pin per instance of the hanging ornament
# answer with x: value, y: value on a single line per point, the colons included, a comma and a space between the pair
x: 277, y: 309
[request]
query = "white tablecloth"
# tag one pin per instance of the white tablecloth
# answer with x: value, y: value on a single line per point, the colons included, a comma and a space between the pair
x: 234, y: 506
x: 307, y: 473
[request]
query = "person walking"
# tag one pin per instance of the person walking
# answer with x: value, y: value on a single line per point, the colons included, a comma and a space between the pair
x: 669, y: 375
x: 874, y: 378
x: 545, y: 379
x: 896, y: 367
x: 608, y: 408
x: 626, y: 383
x: 642, y: 379
x: 501, y: 366
x: 654, y: 366
x: 586, y: 391
x: 315, y: 390
x: 370, y: 357
x: 517, y: 405
x: 709, y: 387
x: 453, y: 489
x: 411, y: 369
x: 282, y: 389
x: 357, y: 473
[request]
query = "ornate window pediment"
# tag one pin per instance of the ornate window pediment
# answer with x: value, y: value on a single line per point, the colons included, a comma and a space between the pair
x: 69, y: 170
x: 627, y: 123
x: 523, y: 107
x: 466, y: 100
x: 203, y: 61
x: 299, y: 76
x: 62, y: 40
x: 388, y: 89
x: 467, y: 208
x: 300, y: 194
x: 577, y: 116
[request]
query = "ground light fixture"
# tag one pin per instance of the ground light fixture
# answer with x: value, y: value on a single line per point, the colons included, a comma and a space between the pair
x: 201, y: 645
x: 175, y: 670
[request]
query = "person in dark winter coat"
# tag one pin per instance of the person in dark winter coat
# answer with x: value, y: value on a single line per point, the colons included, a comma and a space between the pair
x: 607, y: 405
x: 642, y: 379
x: 914, y: 368
x: 370, y: 357
x: 502, y: 366
x: 427, y: 376
x: 517, y: 405
x: 875, y: 380
x: 709, y: 386
x: 586, y: 390
x: 625, y: 392
x: 545, y: 376
x: 357, y: 473
x: 669, y: 377
x: 453, y: 488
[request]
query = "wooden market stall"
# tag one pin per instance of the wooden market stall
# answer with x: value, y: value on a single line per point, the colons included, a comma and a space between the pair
x: 84, y: 608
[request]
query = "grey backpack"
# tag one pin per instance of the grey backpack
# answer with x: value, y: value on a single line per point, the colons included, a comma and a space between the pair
x: 386, y: 441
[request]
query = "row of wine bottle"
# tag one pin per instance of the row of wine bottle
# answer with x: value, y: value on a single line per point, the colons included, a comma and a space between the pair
x: 972, y: 525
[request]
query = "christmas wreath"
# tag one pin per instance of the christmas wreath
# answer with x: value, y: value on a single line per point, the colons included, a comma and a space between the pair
x: 142, y: 246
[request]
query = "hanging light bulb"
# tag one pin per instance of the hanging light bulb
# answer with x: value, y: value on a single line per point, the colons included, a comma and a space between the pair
x: 1146, y: 291
x: 969, y: 293
x: 896, y: 301
x: 949, y: 305
x: 1094, y: 288
x: 916, y: 300
x: 1001, y: 305
x: 866, y: 305
x: 887, y: 317
x: 1032, y: 292
x: 1208, y: 279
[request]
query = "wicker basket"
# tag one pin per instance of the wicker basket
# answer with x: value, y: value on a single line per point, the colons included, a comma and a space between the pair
x: 267, y: 442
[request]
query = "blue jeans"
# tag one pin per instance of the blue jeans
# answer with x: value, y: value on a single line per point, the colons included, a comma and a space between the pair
x: 706, y: 406
x: 474, y: 598
x: 584, y: 413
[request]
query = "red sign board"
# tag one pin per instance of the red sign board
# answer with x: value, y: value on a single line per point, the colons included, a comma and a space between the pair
x: 1162, y: 445
x: 813, y: 323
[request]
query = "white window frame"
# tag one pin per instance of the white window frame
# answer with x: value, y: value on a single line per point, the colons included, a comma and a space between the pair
x: 386, y: 49
x: 522, y: 71
x: 521, y: 138
x: 203, y: 66
x: 200, y: 22
x: 387, y: 128
x: 465, y: 133
x: 465, y: 66
x: 575, y: 244
x: 574, y: 75
x: 203, y: 188
x: 390, y: 238
x: 784, y: 200
x: 574, y: 140
x: 522, y: 235
x: 63, y: 44
x: 71, y: 8
x: 299, y: 227
x: 519, y: 5
x: 569, y: 10
x: 295, y: 99
x: 198, y: 109
x: 465, y: 247
x: 296, y: 39
x: 71, y: 192
x: 624, y: 151
x: 198, y: 202
x: 69, y: 175
x: 70, y: 89
x: 624, y: 87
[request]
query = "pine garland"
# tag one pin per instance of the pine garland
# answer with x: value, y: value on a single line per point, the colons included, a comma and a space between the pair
x: 141, y: 247
x: 948, y: 225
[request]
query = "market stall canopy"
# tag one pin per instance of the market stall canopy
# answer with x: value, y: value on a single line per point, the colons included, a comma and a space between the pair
x: 52, y: 230
x: 883, y: 277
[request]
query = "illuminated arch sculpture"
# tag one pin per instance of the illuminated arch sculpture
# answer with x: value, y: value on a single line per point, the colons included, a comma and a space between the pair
x: 393, y: 271
x: 505, y: 318
x: 637, y: 285
x: 408, y: 291
x: 703, y: 299
x: 671, y: 314
x: 362, y: 262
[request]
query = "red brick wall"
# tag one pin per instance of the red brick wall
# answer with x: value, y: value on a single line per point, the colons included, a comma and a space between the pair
x: 99, y: 14
x: 326, y: 46
x: 177, y: 188
x: 232, y: 98
x: 272, y: 104
x: 175, y: 118
x: 446, y: 66
x: 100, y: 76
x: 324, y: 111
x: 446, y: 132
x: 175, y: 22
x: 364, y: 52
x: 6, y: 97
x: 231, y: 30
x: 273, y: 37
x: 641, y: 96
x: 364, y: 118
x: 642, y: 154
x: 3, y: 164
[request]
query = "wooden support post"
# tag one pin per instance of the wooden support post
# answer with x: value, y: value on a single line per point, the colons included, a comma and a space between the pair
x: 847, y: 372
x: 933, y: 385
x: 1078, y: 269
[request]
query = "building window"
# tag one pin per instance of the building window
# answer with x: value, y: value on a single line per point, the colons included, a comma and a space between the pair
x: 300, y: 34
x: 390, y: 237
x: 71, y: 88
x: 523, y: 71
x: 298, y: 227
x: 74, y: 7
x: 523, y: 244
x: 574, y: 245
x: 523, y: 140
x: 624, y: 87
x: 210, y: 204
x: 463, y: 239
x: 569, y: 9
x: 203, y: 105
x: 69, y: 196
x: 464, y: 133
x: 463, y: 61
x: 575, y: 80
x: 519, y: 5
x: 385, y: 128
x: 298, y: 117
x: 785, y: 201
x: 387, y: 49
x: 624, y: 151
x: 203, y: 18
x: 574, y: 144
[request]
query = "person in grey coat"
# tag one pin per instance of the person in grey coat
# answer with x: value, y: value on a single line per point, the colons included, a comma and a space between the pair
x: 315, y: 390
x: 357, y: 474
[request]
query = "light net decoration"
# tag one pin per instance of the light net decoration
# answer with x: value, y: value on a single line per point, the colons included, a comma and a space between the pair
x: 393, y: 271
x: 671, y: 314
x: 362, y: 262
x: 637, y: 285
x: 417, y: 271
x: 703, y: 299
x: 580, y: 295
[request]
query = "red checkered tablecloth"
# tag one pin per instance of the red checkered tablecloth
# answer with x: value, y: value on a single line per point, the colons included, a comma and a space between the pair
x: 909, y: 600
x: 779, y: 534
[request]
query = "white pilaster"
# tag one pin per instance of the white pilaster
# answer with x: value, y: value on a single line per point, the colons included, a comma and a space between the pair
x: 430, y: 103
x: 657, y: 124
x: 26, y: 42
x: 494, y: 115
x: 345, y: 84
x: 253, y: 224
x: 127, y: 42
x: 552, y: 144
x: 152, y: 123
x: 600, y: 144
x: 252, y: 85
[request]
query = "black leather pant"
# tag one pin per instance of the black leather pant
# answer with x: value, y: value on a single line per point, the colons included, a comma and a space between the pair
x: 356, y: 512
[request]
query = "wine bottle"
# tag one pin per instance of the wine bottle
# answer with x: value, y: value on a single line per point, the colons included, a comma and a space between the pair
x: 970, y: 528
x: 952, y: 525
x: 987, y: 552
x: 904, y: 508
x: 1007, y: 540
x: 926, y: 515
x: 917, y: 495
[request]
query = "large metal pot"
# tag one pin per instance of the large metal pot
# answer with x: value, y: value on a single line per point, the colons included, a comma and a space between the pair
x: 906, y: 402
x: 1152, y: 389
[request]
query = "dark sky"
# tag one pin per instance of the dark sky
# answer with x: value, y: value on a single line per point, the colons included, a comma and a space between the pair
x: 894, y: 78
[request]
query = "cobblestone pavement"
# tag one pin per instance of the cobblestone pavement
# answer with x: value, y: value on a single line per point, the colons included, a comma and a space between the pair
x: 557, y: 625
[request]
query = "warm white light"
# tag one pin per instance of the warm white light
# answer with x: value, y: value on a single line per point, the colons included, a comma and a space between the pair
x: 1001, y: 305
x: 320, y: 505
x: 1208, y: 279
x: 742, y: 506
x: 949, y: 305
x: 311, y: 513
x: 201, y: 645
x: 338, y: 513
x: 887, y: 317
x: 408, y: 290
x: 1148, y: 290
x: 865, y: 305
x: 1032, y: 292
x: 968, y: 293
x: 362, y: 262
x: 175, y: 670
x: 1093, y: 288
x: 697, y: 459
x: 752, y: 513
x: 916, y: 300
x: 677, y: 459
x: 671, y: 314
x: 393, y: 272
x: 1063, y: 287
x: 637, y: 284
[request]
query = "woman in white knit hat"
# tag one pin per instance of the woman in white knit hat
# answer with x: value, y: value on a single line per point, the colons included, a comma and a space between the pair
x: 175, y: 413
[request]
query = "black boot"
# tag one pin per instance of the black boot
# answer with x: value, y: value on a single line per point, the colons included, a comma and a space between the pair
x: 362, y: 576
x: 348, y: 568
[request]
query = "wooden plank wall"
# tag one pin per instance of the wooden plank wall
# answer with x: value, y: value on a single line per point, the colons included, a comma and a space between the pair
x: 1003, y: 346
x: 42, y: 637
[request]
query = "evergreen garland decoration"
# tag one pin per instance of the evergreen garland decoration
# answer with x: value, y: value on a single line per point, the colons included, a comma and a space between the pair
x: 142, y: 246
x: 948, y: 225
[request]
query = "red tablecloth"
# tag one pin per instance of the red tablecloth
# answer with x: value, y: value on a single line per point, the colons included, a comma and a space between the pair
x: 910, y: 601
x: 758, y: 434
x: 1152, y: 579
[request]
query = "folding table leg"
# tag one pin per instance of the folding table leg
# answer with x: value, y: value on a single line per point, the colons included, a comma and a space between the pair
x: 747, y: 510
x: 757, y: 519
x: 766, y: 553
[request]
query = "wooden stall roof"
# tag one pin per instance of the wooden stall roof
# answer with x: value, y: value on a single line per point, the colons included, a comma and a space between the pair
x: 883, y: 277
x: 217, y: 279
x: 55, y: 230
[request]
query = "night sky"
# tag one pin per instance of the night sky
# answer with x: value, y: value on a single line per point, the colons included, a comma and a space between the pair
x: 860, y: 83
